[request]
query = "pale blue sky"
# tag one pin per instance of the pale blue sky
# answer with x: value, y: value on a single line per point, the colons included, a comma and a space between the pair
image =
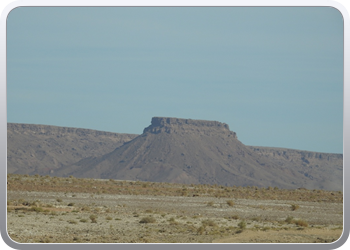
x: 275, y: 75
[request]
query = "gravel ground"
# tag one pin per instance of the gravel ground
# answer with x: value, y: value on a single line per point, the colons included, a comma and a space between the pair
x: 177, y: 219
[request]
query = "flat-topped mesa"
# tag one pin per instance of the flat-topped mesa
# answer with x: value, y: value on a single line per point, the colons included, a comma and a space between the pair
x: 170, y: 124
x: 166, y: 121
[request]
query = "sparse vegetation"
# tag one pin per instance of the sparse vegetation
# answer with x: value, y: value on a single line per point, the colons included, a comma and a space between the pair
x: 148, y: 220
x: 201, y: 230
x: 209, y: 223
x: 172, y: 221
x: 294, y: 207
x: 301, y: 223
x: 289, y: 219
x: 242, y: 225
x: 81, y: 185
x: 217, y: 211
x: 230, y: 203
x: 210, y: 203
x: 93, y: 218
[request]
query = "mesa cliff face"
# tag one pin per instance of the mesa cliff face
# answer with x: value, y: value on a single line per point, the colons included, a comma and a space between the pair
x: 177, y: 125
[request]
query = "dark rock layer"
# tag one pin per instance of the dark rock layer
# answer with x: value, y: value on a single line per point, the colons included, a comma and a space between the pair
x: 177, y: 125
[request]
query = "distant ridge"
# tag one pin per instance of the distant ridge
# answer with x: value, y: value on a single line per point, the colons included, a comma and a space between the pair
x: 57, y: 130
x: 42, y: 149
x: 207, y: 152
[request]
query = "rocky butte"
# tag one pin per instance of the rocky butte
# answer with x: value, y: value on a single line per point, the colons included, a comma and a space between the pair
x: 207, y: 152
x: 176, y: 125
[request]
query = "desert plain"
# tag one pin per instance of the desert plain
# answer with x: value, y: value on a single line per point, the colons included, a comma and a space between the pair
x: 45, y: 209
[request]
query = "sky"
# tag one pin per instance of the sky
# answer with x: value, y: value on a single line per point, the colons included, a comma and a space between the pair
x: 273, y: 74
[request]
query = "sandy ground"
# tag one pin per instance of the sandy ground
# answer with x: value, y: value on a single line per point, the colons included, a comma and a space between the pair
x: 66, y: 217
x: 309, y: 235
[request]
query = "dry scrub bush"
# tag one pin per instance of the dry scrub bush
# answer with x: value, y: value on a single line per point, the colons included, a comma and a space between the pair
x: 38, y: 209
x: 85, y: 208
x: 242, y: 225
x: 209, y: 223
x: 294, y: 207
x: 201, y: 230
x: 210, y: 204
x: 93, y: 218
x: 256, y: 219
x: 235, y: 217
x: 230, y: 203
x: 301, y: 223
x: 148, y: 220
x: 289, y: 219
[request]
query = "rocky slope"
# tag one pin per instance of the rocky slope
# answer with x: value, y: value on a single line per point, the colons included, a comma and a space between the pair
x: 326, y: 168
x: 169, y: 150
x: 41, y: 149
x: 196, y: 151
